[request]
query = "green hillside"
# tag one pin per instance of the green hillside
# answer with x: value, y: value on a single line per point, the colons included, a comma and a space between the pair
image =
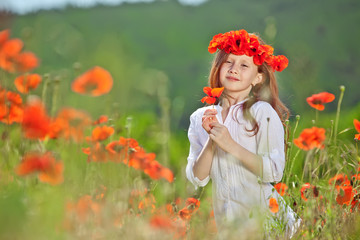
x: 136, y: 41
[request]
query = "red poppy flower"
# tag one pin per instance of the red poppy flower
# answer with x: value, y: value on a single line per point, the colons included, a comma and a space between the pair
x: 36, y: 122
x: 70, y: 123
x: 213, y: 94
x: 26, y: 61
x: 317, y: 101
x: 311, y: 138
x: 339, y: 180
x: 162, y: 222
x: 281, y: 188
x: 9, y: 49
x: 192, y: 205
x: 96, y: 153
x: 95, y: 82
x: 11, y: 109
x: 273, y: 205
x: 308, y: 190
x: 50, y: 170
x: 357, y: 128
x: 155, y: 170
x: 123, y: 149
x: 101, y: 119
x: 24, y: 83
x: 4, y: 36
x: 278, y: 63
x: 345, y: 195
x: 86, y: 209
x: 102, y: 133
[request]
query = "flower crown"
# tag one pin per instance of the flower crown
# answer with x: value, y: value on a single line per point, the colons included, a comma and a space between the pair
x: 241, y: 42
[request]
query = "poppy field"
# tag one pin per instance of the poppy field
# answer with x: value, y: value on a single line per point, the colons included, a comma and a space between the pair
x: 69, y: 174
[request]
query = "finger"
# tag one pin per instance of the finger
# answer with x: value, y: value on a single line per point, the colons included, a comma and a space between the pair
x: 215, y: 124
x: 210, y: 111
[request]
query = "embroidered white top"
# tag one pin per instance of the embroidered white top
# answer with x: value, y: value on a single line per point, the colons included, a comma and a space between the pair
x: 236, y: 190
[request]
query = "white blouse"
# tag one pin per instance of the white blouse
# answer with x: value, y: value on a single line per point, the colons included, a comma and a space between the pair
x: 237, y: 192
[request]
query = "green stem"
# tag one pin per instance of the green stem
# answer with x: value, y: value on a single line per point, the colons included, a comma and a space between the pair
x: 44, y: 90
x: 55, y: 95
x: 342, y: 90
x: 291, y: 167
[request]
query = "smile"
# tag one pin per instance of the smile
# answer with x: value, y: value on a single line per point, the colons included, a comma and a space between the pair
x: 232, y: 78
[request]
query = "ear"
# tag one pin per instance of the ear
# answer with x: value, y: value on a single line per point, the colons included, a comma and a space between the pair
x: 258, y: 79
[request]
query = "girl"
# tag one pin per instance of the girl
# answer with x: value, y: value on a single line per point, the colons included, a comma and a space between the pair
x: 239, y: 143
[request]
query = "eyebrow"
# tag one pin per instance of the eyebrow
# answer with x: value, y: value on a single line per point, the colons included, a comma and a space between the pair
x: 242, y: 60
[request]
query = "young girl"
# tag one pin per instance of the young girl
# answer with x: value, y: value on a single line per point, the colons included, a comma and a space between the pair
x: 239, y: 143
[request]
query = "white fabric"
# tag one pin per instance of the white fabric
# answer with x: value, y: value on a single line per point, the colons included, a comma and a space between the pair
x: 237, y: 191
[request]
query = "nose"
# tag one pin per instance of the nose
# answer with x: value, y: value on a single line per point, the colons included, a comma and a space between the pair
x: 233, y: 70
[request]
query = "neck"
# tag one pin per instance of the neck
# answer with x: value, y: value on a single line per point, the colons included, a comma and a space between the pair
x: 233, y: 98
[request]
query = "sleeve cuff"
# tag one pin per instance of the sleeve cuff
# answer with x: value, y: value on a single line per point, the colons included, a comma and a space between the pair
x: 270, y: 171
x: 195, y: 180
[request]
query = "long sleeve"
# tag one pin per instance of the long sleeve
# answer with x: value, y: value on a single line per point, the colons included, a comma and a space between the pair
x: 270, y: 142
x: 196, y: 145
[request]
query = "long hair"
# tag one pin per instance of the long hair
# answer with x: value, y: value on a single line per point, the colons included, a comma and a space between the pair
x: 266, y: 91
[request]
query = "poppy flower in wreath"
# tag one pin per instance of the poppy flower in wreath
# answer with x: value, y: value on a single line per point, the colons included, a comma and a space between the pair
x: 317, y: 101
x: 95, y: 82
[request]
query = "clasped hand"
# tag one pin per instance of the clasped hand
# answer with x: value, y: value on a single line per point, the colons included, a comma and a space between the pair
x: 217, y: 132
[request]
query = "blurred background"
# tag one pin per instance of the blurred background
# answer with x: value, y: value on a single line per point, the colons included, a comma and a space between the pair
x: 157, y: 50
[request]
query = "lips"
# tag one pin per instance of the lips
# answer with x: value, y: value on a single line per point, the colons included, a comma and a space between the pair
x: 231, y: 78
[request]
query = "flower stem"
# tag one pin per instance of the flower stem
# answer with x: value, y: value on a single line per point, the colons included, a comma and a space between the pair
x: 46, y: 83
x: 342, y: 90
x: 55, y: 95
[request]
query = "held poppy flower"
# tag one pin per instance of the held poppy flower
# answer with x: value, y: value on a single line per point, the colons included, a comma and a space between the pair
x: 50, y: 170
x: 24, y: 83
x: 317, y: 101
x: 213, y: 94
x: 311, y: 138
x: 281, y: 188
x: 357, y: 128
x: 273, y: 205
x: 95, y: 82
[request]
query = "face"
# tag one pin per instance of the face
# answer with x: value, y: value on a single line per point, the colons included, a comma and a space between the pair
x: 237, y: 74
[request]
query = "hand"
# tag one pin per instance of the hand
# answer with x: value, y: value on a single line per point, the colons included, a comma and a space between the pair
x: 221, y: 136
x: 208, y: 118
